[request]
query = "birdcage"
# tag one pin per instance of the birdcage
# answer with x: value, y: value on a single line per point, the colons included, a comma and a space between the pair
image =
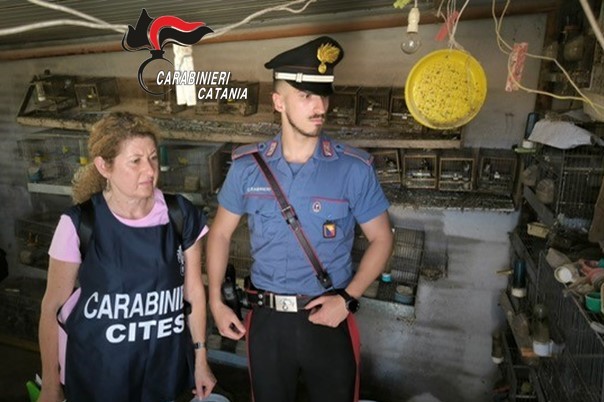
x: 456, y: 171
x: 420, y: 169
x: 53, y: 156
x: 49, y: 93
x: 191, y: 167
x: 34, y: 235
x: 373, y: 106
x: 496, y: 171
x: 96, y: 94
x: 404, y: 265
x: 399, y: 115
x: 577, y: 373
x: 387, y: 165
x: 343, y: 105
x: 208, y: 104
x: 164, y: 104
x: 242, y: 99
x: 569, y: 182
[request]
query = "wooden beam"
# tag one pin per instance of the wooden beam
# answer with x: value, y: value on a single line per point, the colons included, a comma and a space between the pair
x: 291, y: 30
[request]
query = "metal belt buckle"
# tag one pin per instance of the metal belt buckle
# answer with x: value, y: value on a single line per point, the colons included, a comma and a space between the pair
x: 286, y: 304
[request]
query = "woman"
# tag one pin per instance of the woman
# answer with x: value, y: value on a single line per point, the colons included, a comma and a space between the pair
x: 130, y: 337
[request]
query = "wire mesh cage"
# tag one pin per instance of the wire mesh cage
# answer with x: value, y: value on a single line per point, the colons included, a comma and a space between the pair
x: 496, y: 171
x: 569, y: 182
x: 579, y: 369
x: 420, y: 170
x: 34, y: 234
x: 186, y: 166
x: 49, y: 93
x: 399, y: 115
x: 164, y: 104
x: 97, y: 93
x: 456, y: 170
x: 208, y: 105
x: 404, y: 265
x: 387, y: 165
x: 434, y: 264
x: 242, y: 100
x: 407, y: 256
x: 373, y: 106
x: 581, y: 176
x: 343, y: 105
x: 53, y: 156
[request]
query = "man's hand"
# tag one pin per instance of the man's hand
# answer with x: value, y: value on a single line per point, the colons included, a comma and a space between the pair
x: 327, y: 310
x: 227, y: 322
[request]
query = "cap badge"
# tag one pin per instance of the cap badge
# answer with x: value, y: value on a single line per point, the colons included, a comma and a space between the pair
x: 327, y: 53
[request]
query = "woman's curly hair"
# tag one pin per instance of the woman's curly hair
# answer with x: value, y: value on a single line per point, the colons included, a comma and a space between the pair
x: 106, y: 139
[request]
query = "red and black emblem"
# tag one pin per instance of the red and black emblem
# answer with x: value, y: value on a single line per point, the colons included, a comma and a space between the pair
x: 153, y: 34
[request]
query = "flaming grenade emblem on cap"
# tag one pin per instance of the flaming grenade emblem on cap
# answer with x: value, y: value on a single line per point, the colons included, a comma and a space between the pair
x: 326, y: 53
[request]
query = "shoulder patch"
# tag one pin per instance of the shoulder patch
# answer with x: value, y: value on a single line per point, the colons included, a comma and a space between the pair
x: 326, y: 147
x: 244, y: 150
x: 272, y: 147
x: 365, y: 156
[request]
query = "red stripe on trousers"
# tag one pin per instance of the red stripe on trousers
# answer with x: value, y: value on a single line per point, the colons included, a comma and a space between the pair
x: 355, y: 339
x: 248, y: 323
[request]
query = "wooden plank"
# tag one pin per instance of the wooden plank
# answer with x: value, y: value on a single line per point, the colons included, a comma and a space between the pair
x: 183, y: 128
x: 545, y: 215
x: 520, y: 328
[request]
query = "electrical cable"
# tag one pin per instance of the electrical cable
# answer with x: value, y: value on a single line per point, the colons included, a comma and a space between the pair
x: 500, y: 41
x: 96, y: 23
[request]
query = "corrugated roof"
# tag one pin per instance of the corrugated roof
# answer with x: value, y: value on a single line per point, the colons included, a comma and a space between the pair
x: 215, y: 13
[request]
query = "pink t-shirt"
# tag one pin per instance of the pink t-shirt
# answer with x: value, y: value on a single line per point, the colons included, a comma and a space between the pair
x: 65, y: 245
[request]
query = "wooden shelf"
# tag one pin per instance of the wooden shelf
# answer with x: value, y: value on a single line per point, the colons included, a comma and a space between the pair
x: 196, y: 198
x: 447, y: 200
x: 187, y: 125
x: 520, y: 329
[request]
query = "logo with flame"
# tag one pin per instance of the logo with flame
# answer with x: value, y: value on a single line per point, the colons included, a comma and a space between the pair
x: 153, y: 34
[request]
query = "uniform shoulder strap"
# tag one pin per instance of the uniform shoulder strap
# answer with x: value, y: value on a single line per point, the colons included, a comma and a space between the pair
x: 244, y: 150
x: 363, y: 155
x: 175, y: 213
x: 86, y: 225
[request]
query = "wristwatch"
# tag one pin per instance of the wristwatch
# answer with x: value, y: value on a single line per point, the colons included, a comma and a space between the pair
x: 352, y: 304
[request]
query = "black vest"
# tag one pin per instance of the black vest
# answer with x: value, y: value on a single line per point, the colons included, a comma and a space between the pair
x: 127, y: 335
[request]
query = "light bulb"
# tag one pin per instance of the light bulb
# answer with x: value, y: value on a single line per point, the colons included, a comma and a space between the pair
x: 411, y: 42
x: 411, y: 39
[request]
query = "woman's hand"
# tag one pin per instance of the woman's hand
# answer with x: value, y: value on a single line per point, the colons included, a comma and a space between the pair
x: 204, y: 378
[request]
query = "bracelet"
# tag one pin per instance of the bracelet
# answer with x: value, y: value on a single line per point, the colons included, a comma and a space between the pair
x: 199, y: 345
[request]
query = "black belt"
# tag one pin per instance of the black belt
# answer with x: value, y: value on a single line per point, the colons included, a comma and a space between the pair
x: 281, y: 303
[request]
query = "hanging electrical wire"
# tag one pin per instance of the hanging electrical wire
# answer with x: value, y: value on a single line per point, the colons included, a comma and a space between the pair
x: 509, y: 50
x: 451, y: 18
x: 96, y: 23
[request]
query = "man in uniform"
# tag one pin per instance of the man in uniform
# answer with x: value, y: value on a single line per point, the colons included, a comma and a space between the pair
x: 302, y: 322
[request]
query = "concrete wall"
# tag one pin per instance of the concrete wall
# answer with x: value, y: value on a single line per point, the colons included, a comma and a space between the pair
x: 444, y: 353
x: 446, y: 350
